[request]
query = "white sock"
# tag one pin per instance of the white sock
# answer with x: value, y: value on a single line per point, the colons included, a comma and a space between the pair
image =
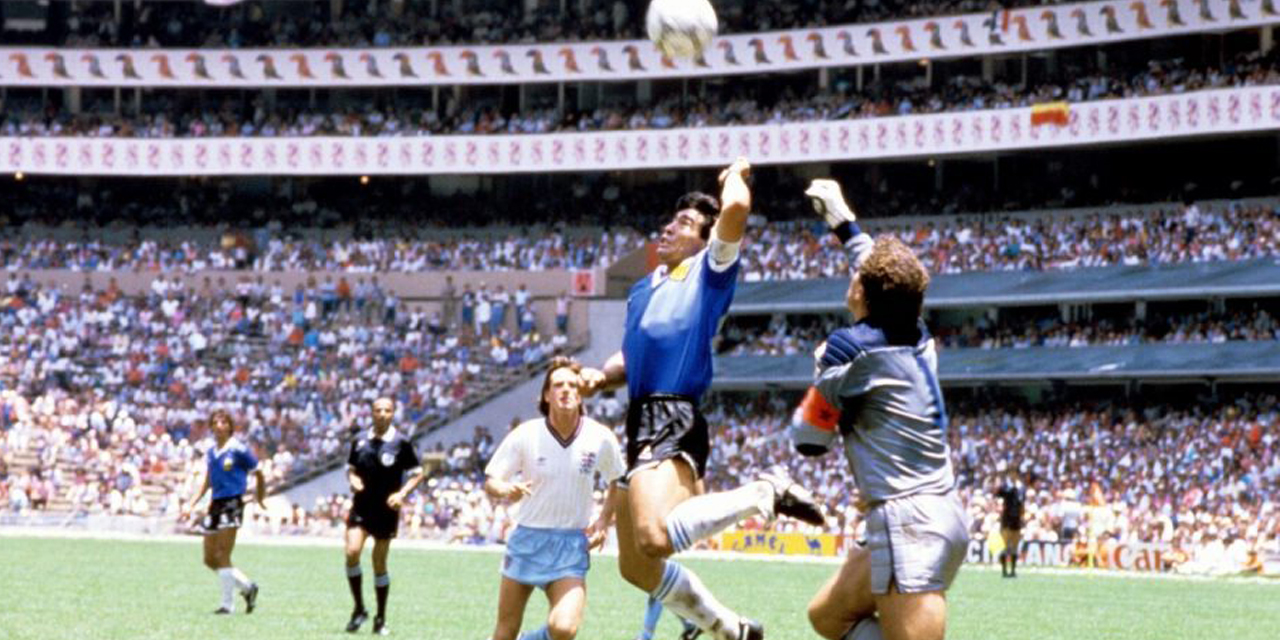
x: 682, y: 592
x: 866, y: 629
x: 228, y: 582
x: 705, y: 515
x: 242, y: 581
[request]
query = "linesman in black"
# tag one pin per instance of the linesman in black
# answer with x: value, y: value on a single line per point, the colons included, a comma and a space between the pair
x: 1013, y: 495
x: 382, y: 469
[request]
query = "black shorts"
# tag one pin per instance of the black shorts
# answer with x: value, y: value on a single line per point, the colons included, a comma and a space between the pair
x: 661, y: 427
x: 377, y: 519
x: 1011, y: 522
x: 224, y: 513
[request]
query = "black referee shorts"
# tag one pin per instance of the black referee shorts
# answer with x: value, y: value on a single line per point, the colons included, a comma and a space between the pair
x: 224, y: 513
x: 377, y: 519
x: 661, y: 427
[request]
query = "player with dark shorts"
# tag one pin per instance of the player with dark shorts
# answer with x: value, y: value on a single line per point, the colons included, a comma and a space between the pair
x: 382, y: 470
x: 665, y: 361
x: 1013, y: 497
x: 229, y: 463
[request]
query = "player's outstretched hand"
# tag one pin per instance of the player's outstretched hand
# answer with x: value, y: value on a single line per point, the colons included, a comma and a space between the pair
x: 592, y: 381
x: 739, y: 166
x: 828, y: 202
x: 596, y: 534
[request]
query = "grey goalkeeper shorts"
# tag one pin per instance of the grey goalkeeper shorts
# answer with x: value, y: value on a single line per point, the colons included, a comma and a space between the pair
x: 917, y: 542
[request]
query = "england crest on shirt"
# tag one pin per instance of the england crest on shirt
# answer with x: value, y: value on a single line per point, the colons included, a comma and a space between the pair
x: 588, y: 463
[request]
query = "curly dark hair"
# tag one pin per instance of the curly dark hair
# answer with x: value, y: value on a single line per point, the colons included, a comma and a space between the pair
x: 706, y: 204
x: 893, y: 282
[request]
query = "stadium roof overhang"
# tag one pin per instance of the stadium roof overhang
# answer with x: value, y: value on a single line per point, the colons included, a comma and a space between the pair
x: 1186, y: 281
x: 1231, y: 361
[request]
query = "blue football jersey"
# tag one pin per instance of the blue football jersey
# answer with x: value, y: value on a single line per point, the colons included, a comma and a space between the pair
x: 671, y: 319
x: 229, y: 469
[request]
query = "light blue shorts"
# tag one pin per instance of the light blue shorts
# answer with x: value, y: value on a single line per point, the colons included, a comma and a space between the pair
x: 538, y: 557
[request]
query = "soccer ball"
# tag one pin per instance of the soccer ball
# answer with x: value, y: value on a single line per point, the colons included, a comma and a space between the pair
x: 681, y: 28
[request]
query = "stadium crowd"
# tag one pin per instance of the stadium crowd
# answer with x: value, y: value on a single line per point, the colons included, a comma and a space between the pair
x: 99, y: 379
x: 739, y: 104
x: 389, y: 23
x: 792, y: 335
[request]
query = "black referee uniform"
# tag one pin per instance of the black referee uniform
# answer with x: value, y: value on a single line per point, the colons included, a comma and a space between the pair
x: 382, y: 466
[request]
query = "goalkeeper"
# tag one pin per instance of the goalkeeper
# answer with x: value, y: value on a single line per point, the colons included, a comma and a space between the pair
x: 876, y: 391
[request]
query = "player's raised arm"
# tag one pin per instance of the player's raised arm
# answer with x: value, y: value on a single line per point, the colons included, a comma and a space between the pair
x: 735, y: 202
x: 828, y: 202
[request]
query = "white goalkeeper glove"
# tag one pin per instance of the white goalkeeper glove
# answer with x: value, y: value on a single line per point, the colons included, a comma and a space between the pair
x: 829, y: 202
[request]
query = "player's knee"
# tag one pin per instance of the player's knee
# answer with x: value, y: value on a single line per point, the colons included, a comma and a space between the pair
x: 653, y: 541
x: 210, y: 561
x: 820, y: 620
x: 562, y: 627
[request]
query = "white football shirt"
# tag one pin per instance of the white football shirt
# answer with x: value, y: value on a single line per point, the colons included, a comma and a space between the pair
x: 562, y: 472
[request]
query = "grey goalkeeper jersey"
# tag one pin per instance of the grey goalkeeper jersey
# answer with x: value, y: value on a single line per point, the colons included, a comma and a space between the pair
x: 877, y: 389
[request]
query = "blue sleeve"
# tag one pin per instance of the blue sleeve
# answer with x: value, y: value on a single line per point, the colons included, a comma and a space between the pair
x: 720, y: 279
x: 248, y: 461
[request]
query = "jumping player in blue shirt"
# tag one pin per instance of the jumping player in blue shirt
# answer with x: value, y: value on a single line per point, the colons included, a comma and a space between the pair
x: 229, y: 464
x: 672, y: 315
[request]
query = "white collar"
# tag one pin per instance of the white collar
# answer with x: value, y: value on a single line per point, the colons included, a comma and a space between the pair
x: 387, y: 437
x: 231, y: 442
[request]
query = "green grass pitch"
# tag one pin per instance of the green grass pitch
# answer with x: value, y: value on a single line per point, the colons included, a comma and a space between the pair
x: 130, y: 590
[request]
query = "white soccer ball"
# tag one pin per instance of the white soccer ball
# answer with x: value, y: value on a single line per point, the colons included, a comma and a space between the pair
x: 681, y: 28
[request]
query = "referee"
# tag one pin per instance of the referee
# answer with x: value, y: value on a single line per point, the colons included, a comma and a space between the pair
x: 1013, y: 495
x: 382, y: 469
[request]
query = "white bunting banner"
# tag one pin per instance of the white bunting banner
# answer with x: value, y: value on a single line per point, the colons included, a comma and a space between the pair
x: 994, y: 33
x: 1200, y: 113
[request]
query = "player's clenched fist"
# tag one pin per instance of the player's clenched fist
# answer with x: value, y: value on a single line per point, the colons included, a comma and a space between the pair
x: 828, y: 202
x: 739, y: 167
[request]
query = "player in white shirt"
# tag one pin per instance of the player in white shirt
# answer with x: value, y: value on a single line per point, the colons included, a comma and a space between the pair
x: 549, y: 466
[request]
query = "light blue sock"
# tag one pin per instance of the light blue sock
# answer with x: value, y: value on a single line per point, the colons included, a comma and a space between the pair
x: 540, y: 634
x: 652, y: 613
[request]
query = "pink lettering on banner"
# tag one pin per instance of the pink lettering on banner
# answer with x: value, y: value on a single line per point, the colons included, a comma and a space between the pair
x: 1113, y: 119
x: 744, y: 144
x: 1073, y: 123
x: 472, y: 154
x: 246, y: 155
x: 997, y: 129
x: 1095, y: 122
x: 406, y: 155
x: 1255, y: 107
x: 846, y: 136
x: 1135, y: 119
x: 224, y: 155
x: 177, y: 156
x: 269, y: 152
x: 704, y: 145
x: 86, y: 155
x: 513, y: 153
x: 131, y: 159
x: 1275, y: 105
x: 682, y: 146
x: 824, y: 140
x: 579, y: 151
x: 803, y: 143
x: 557, y: 152
x: 202, y: 155
x: 495, y: 154
x: 38, y: 154
x: 900, y: 135
x: 1214, y: 111
x: 620, y: 149
x: 450, y: 154
x: 15, y: 153
x: 762, y: 142
x: 61, y: 155
x: 1233, y: 109
x: 315, y: 157
x: 723, y: 143
x: 1015, y: 129
x: 361, y: 153
x: 919, y: 135
x: 1193, y: 113
x: 428, y: 150
x: 939, y: 133
x: 1175, y: 114
x: 1153, y: 116
x: 536, y: 152
x: 882, y: 136
x: 153, y: 156
x: 976, y: 132
x: 292, y: 154
x: 600, y: 151
x: 784, y: 142
x: 337, y: 155
x: 664, y: 151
